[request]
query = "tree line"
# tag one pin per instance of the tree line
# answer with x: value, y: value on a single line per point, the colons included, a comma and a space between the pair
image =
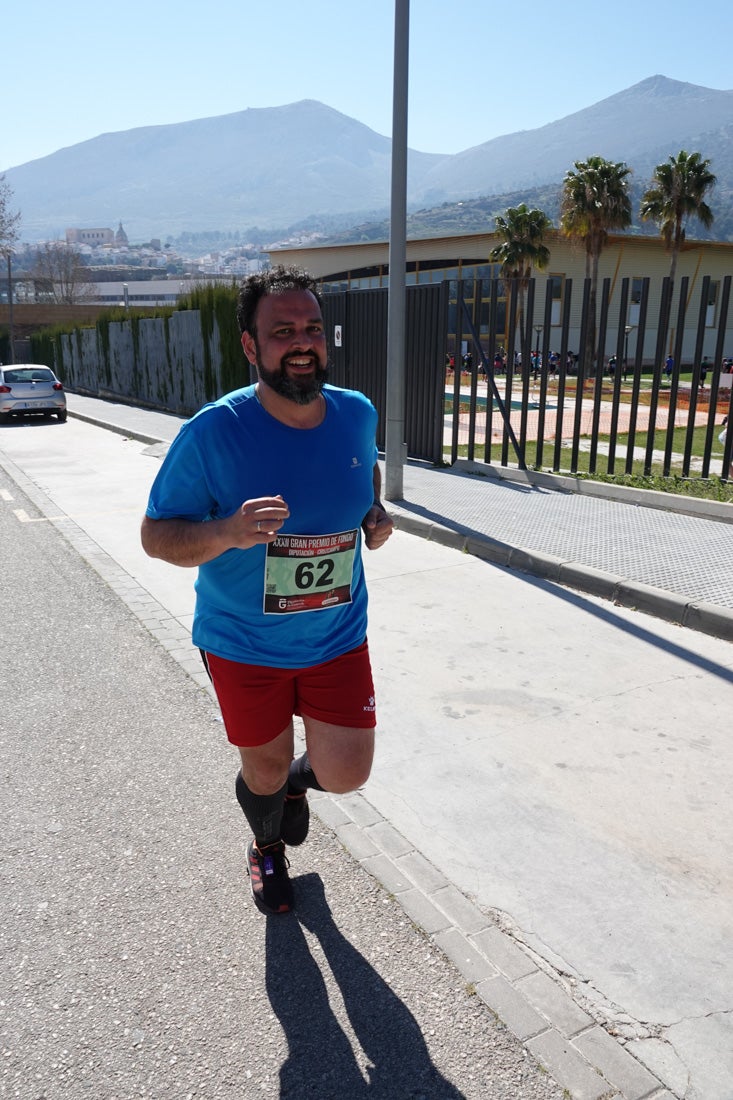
x: 595, y: 201
x: 57, y: 268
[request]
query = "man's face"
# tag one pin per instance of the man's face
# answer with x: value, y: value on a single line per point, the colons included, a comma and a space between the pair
x: 289, y: 349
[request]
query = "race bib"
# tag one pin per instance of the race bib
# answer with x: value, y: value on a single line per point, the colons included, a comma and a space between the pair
x: 309, y: 572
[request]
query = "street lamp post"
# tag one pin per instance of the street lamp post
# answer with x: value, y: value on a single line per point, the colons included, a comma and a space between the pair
x: 126, y: 295
x: 538, y: 330
x: 395, y: 448
x: 11, y: 325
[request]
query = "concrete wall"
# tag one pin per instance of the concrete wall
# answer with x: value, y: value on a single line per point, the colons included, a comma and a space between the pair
x: 164, y: 362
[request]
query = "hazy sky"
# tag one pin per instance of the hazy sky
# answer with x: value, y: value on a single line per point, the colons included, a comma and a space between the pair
x: 478, y: 69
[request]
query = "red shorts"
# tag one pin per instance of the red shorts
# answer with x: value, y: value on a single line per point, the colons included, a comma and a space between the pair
x: 258, y: 702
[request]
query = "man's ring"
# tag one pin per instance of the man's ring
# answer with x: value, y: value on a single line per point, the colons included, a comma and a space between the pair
x: 258, y: 525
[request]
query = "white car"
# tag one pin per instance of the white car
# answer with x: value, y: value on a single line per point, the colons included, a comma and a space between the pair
x: 27, y: 388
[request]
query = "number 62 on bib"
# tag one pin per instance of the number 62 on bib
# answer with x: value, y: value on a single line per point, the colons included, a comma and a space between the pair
x: 309, y: 572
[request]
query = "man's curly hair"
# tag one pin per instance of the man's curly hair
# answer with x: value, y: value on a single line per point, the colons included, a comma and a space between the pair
x: 276, y: 280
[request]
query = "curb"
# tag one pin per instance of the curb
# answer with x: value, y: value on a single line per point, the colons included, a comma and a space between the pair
x: 698, y: 615
x: 701, y: 508
x: 118, y: 429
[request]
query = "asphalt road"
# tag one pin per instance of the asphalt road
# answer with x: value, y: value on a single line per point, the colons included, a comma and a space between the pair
x: 132, y: 961
x: 550, y: 796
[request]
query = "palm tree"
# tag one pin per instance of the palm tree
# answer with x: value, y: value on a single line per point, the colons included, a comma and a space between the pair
x: 521, y: 249
x: 677, y: 192
x: 595, y: 200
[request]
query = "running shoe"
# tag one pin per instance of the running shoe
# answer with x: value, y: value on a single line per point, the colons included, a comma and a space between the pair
x: 268, y: 878
x: 296, y: 819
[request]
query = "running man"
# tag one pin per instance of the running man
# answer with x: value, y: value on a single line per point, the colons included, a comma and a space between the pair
x: 270, y: 492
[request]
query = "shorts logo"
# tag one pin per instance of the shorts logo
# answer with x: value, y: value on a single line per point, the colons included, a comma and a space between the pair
x: 370, y: 707
x: 355, y: 464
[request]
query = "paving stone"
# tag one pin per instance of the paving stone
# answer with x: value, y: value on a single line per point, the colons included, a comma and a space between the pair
x: 423, y: 912
x: 331, y: 813
x: 555, y: 1003
x: 570, y: 1071
x: 359, y: 810
x: 184, y: 655
x: 660, y: 1057
x: 386, y: 871
x: 511, y: 1007
x: 471, y: 963
x: 422, y: 872
x: 386, y: 837
x: 616, y: 1064
x: 356, y: 841
x: 463, y: 913
x: 501, y: 950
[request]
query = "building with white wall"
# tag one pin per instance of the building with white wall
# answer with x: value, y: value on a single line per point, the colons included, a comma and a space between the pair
x: 364, y: 265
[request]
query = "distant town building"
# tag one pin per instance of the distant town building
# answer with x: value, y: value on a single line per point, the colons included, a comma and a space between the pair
x: 90, y: 236
x: 121, y: 237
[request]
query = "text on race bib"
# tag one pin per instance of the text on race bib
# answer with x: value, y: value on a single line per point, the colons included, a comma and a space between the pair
x: 309, y: 572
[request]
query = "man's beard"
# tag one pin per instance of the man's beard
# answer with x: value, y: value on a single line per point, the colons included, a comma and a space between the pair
x: 302, y: 390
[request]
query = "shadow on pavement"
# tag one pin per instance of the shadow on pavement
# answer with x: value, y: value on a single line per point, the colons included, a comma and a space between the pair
x: 321, y: 1062
x: 637, y: 631
x: 579, y: 601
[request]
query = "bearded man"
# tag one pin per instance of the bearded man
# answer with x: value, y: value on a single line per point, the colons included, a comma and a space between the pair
x: 270, y: 492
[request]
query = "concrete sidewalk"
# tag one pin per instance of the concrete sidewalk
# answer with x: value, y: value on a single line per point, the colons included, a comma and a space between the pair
x: 668, y: 555
x: 549, y: 800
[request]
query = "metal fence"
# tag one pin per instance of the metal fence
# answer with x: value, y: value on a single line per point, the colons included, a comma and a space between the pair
x: 556, y: 407
x: 552, y: 407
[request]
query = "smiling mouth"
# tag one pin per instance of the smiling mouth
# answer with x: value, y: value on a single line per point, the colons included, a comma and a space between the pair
x: 306, y: 362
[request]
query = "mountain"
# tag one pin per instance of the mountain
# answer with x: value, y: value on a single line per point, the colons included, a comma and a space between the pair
x: 641, y: 125
x: 476, y: 215
x: 264, y: 166
x: 275, y: 167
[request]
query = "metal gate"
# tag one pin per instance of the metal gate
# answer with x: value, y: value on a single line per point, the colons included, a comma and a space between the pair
x: 356, y: 327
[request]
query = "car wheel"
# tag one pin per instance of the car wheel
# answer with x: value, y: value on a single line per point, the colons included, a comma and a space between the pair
x: 61, y: 414
x: 4, y: 418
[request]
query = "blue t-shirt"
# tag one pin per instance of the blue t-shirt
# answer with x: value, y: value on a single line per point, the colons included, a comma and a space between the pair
x: 232, y: 451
